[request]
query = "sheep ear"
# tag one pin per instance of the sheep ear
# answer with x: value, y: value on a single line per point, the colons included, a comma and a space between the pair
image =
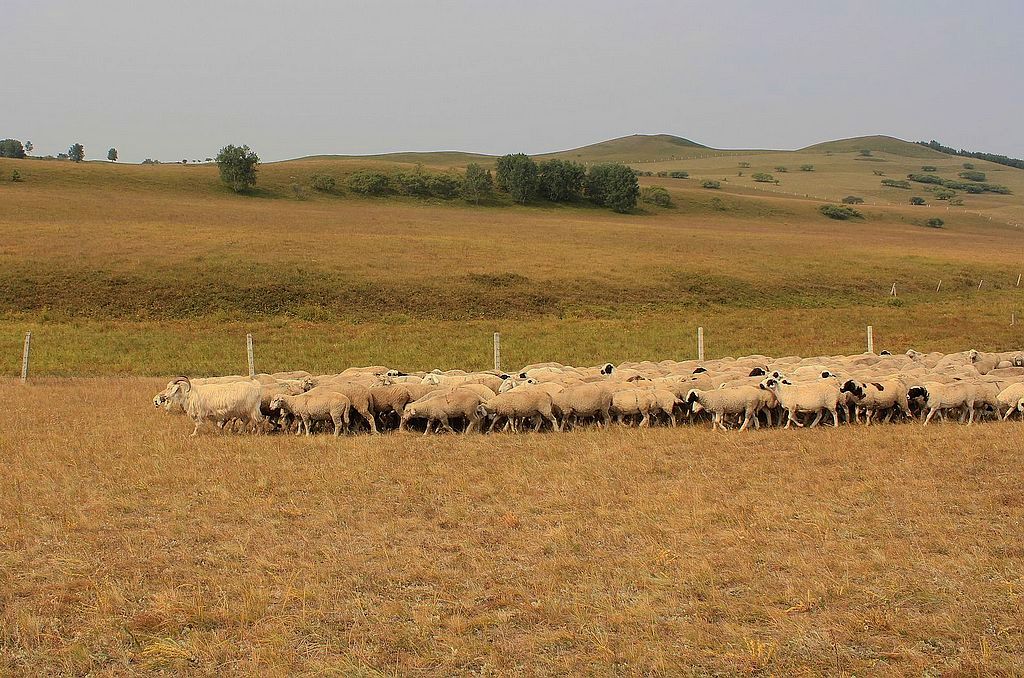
x: 787, y: 382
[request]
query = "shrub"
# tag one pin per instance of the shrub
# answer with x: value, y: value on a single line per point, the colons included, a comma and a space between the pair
x: 477, y: 183
x: 76, y: 153
x: 711, y: 183
x: 839, y: 212
x: 717, y: 205
x: 369, y: 182
x: 935, y: 223
x: 806, y: 168
x: 656, y: 195
x: 444, y: 186
x: 780, y: 169
x: 972, y: 175
x: 853, y: 200
x: 895, y: 183
x: 968, y: 165
x: 865, y: 153
x: 15, y: 176
x: 929, y: 168
x: 561, y: 180
x: 679, y: 174
x: 956, y: 202
x: 237, y: 165
x: 944, y: 194
x: 517, y: 174
x: 762, y: 177
x: 11, y: 148
x: 324, y: 183
x: 744, y: 164
x: 878, y: 173
x: 411, y: 182
x: 662, y: 174
x: 613, y: 185
x: 917, y: 200
x: 926, y: 178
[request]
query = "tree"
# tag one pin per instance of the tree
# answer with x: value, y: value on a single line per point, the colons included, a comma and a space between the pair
x: 76, y: 153
x: 112, y: 155
x: 935, y: 223
x: 613, y: 185
x: 237, y: 165
x: 561, y: 180
x: 972, y: 175
x: 324, y: 183
x: 853, y: 200
x: 711, y: 183
x: 916, y: 200
x: 656, y: 195
x: 762, y: 177
x: 11, y: 148
x: 840, y: 213
x: 865, y: 153
x: 477, y: 184
x: 517, y: 174
x: 368, y: 182
x: 29, y: 147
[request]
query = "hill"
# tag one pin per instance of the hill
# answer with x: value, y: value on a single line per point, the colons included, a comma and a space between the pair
x: 631, y: 149
x: 878, y: 143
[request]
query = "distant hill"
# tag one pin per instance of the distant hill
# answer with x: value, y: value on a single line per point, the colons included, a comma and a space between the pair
x: 878, y: 143
x: 634, y: 148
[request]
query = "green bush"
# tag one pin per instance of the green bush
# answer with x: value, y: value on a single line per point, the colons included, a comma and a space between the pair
x: 368, y: 182
x: 444, y: 186
x: 926, y: 178
x: 972, y: 175
x: 518, y: 175
x: 679, y: 174
x: 944, y: 194
x: 562, y: 180
x: 958, y: 202
x: 853, y: 200
x: 895, y: 183
x: 917, y: 200
x: 968, y: 165
x: 780, y: 169
x: 237, y: 165
x: 839, y: 212
x: 11, y: 148
x: 656, y: 195
x: 865, y: 153
x: 477, y: 183
x: 322, y: 182
x: 613, y: 185
x: 414, y: 183
x: 806, y: 168
x: 878, y: 173
x: 662, y: 174
x: 76, y: 153
x: 711, y: 183
x: 935, y: 223
x: 762, y: 177
x: 929, y: 168
x: 717, y: 205
x: 744, y: 164
x: 15, y: 176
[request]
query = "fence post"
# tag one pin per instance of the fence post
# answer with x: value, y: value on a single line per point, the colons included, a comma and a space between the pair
x: 497, y: 352
x: 939, y: 286
x: 871, y: 339
x: 892, y: 292
x: 248, y: 350
x: 700, y: 343
x: 1018, y: 279
x: 980, y: 283
x: 24, y: 357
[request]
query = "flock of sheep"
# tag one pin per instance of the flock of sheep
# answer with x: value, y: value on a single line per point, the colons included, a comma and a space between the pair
x: 727, y: 393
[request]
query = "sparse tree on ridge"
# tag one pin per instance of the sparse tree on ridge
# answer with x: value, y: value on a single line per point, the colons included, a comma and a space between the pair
x: 11, y: 148
x: 112, y: 155
x: 237, y: 165
x: 518, y: 175
x: 29, y: 147
x: 76, y: 153
x: 477, y: 183
x: 613, y: 185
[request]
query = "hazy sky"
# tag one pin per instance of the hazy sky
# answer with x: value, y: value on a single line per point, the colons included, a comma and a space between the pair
x: 174, y: 79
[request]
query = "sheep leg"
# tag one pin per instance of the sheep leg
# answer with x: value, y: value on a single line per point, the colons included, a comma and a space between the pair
x: 538, y: 421
x: 365, y: 412
x: 746, y: 421
x: 646, y: 421
x: 817, y: 418
x: 794, y: 419
x: 430, y: 424
x: 554, y: 422
x: 970, y: 408
x: 931, y: 413
x: 195, y: 431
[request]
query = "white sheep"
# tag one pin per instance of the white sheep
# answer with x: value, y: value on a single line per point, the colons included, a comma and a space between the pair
x: 817, y: 397
x: 723, y: 402
x: 323, y: 406
x: 219, y: 403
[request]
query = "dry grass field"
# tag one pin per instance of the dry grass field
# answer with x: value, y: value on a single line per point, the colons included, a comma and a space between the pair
x: 128, y: 548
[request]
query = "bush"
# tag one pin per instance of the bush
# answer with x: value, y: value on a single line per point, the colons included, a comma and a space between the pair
x: 237, y: 165
x: 11, y: 148
x: 968, y: 165
x: 853, y: 200
x: 517, y: 174
x: 613, y: 185
x: 917, y: 200
x: 744, y: 164
x: 76, y: 153
x: 957, y: 202
x: 865, y: 153
x: 780, y: 169
x: 878, y: 173
x: 717, y: 205
x: 324, y: 183
x: 369, y: 182
x: 15, y: 176
x: 806, y: 168
x: 711, y: 183
x: 929, y: 168
x: 477, y: 183
x: 411, y: 182
x: 926, y: 178
x: 662, y: 174
x: 656, y: 195
x: 839, y: 212
x: 895, y: 183
x: 944, y: 194
x: 679, y: 174
x: 561, y: 180
x: 762, y: 177
x: 935, y: 223
x: 444, y: 186
x: 972, y: 175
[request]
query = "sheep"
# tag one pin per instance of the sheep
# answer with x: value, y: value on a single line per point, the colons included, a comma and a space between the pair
x: 632, y: 401
x: 460, y: 402
x: 215, y: 402
x: 520, y: 403
x: 388, y: 399
x: 814, y: 397
x: 358, y: 395
x: 878, y: 396
x: 587, y: 400
x: 962, y: 394
x: 321, y: 406
x: 741, y: 400
x: 1010, y: 397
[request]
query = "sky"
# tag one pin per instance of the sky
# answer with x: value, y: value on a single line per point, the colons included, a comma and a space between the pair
x: 179, y: 80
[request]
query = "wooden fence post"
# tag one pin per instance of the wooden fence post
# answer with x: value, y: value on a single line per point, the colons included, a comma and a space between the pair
x: 1018, y: 279
x: 980, y: 283
x: 700, y: 343
x: 939, y: 286
x: 248, y: 350
x: 24, y: 357
x: 497, y: 352
x: 892, y: 292
x: 871, y: 339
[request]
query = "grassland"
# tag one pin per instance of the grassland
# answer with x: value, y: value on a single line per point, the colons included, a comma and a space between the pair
x: 128, y: 548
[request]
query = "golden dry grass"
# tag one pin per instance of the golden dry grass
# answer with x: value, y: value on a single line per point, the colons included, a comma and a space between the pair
x: 126, y: 547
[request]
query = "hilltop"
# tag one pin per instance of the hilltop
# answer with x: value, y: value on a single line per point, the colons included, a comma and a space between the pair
x: 878, y: 143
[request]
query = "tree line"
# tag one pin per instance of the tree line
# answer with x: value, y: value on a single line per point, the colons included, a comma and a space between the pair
x: 991, y: 157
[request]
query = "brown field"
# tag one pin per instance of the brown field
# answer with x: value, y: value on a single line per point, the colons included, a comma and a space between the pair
x: 128, y: 547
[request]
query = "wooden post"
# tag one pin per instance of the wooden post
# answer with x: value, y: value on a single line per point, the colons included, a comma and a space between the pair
x: 939, y: 286
x: 1013, y: 319
x: 24, y: 357
x: 871, y: 339
x: 980, y: 283
x: 248, y: 350
x: 700, y: 343
x: 1018, y: 279
x: 497, y: 352
x: 892, y: 292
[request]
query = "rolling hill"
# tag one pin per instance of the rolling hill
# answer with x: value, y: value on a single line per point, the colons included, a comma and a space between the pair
x: 878, y: 143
